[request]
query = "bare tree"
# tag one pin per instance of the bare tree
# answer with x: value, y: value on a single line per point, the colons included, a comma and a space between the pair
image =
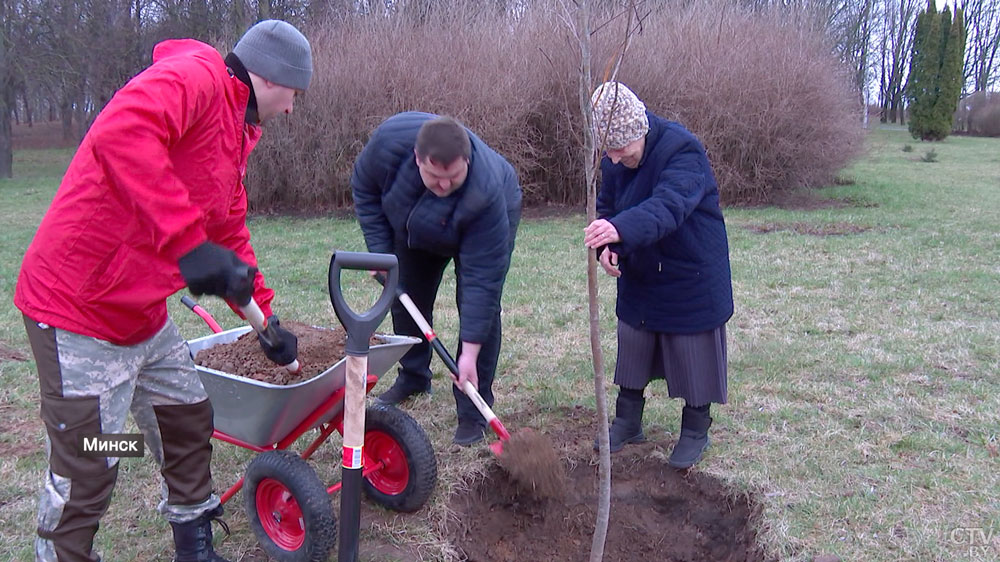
x: 580, y: 26
x: 6, y: 96
x: 854, y: 36
x: 627, y: 12
x: 982, y: 65
x: 897, y: 42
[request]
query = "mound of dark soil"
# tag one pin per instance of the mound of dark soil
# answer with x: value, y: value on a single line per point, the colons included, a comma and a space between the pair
x: 319, y: 349
x: 657, y: 513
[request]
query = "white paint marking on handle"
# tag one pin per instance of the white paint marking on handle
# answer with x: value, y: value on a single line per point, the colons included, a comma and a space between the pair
x: 354, y: 402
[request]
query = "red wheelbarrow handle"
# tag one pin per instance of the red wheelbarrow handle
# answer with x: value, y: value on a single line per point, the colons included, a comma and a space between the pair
x: 197, y: 309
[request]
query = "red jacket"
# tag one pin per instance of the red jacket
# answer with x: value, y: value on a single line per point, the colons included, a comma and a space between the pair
x: 159, y: 172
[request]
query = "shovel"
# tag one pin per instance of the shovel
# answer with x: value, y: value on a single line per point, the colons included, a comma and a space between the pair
x: 359, y: 328
x: 484, y: 409
x: 254, y: 316
x: 530, y: 457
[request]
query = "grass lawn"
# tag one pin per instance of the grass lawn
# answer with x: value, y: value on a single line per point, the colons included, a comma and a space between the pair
x: 864, y: 410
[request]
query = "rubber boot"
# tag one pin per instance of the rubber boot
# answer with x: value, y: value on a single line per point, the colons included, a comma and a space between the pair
x: 627, y: 425
x: 193, y: 539
x: 694, y: 437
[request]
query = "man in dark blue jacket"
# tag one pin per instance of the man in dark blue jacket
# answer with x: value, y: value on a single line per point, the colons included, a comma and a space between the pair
x: 660, y: 231
x: 429, y: 191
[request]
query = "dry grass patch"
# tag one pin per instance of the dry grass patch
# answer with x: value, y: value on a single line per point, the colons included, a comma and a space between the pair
x: 836, y: 229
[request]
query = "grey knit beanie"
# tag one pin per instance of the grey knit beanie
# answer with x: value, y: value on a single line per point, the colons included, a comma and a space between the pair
x: 276, y: 51
x: 619, y: 114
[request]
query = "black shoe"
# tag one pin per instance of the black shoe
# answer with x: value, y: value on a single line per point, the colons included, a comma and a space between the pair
x: 627, y: 425
x: 401, y: 390
x: 694, y: 437
x: 193, y: 539
x: 468, y: 433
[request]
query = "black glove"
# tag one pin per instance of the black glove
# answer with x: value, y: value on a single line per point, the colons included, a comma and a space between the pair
x: 280, y: 345
x: 214, y: 270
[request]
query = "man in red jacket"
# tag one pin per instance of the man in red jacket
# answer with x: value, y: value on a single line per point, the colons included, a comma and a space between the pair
x: 152, y: 201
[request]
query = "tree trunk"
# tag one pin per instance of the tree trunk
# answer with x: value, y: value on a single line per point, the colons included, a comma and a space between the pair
x: 6, y: 95
x: 29, y: 114
x: 66, y: 115
x: 583, y: 32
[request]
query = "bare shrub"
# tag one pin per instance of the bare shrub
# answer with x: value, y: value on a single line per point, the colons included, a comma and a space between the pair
x: 767, y: 98
x: 490, y: 73
x: 979, y: 114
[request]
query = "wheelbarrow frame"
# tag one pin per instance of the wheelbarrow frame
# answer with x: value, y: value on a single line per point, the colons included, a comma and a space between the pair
x: 397, y: 460
x: 325, y: 430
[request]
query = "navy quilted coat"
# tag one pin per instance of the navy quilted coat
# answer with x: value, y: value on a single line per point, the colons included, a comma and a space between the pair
x: 476, y: 224
x: 674, y: 253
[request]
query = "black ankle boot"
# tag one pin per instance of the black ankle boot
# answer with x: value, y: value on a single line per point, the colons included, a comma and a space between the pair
x: 627, y: 425
x: 694, y: 437
x: 402, y: 389
x: 193, y: 539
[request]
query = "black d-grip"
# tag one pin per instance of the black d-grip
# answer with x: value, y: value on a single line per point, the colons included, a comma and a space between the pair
x: 360, y: 327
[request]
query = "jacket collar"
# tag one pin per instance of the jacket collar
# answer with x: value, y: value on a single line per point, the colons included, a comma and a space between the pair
x: 237, y: 69
x: 652, y: 135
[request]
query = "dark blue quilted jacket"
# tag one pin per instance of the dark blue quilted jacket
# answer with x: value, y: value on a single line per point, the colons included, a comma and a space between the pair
x: 476, y: 224
x: 674, y: 253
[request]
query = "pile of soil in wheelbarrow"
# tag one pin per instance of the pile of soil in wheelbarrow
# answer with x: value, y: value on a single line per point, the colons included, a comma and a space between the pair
x: 657, y: 513
x: 319, y: 349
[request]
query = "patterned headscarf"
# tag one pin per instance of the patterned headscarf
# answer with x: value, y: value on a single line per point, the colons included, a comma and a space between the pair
x: 628, y: 121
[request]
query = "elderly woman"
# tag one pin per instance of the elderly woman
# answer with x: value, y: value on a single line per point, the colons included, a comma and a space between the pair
x: 661, y: 232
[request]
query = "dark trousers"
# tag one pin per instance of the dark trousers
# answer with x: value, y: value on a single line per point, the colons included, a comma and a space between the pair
x: 420, y: 276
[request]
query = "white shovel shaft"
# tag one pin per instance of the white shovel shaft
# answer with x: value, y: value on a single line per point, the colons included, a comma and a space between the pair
x: 481, y: 404
x: 407, y: 303
x: 255, y: 316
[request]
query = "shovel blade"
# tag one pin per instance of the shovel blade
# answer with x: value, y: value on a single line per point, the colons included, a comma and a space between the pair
x: 497, y: 448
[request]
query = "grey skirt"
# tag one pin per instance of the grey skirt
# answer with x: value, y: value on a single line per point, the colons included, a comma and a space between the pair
x: 694, y: 365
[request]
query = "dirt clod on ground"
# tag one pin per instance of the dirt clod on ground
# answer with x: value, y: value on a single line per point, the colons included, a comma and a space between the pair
x: 8, y: 353
x: 657, y: 513
x: 531, y: 460
x: 319, y: 349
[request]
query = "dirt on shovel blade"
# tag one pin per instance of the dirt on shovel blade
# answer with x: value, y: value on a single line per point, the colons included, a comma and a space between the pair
x: 530, y: 459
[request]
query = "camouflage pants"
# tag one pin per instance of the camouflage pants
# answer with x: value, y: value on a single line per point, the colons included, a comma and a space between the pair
x: 88, y: 386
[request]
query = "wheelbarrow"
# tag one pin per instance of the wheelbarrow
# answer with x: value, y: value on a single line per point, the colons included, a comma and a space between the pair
x: 286, y: 503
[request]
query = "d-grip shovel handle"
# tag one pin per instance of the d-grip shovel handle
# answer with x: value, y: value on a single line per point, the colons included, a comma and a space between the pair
x: 360, y: 327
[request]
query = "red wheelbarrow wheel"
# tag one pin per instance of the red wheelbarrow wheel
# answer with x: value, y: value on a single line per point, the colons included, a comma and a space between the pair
x: 288, y: 508
x: 409, y: 471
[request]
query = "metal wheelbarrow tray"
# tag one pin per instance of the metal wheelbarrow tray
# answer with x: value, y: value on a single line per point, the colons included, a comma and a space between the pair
x: 261, y: 413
